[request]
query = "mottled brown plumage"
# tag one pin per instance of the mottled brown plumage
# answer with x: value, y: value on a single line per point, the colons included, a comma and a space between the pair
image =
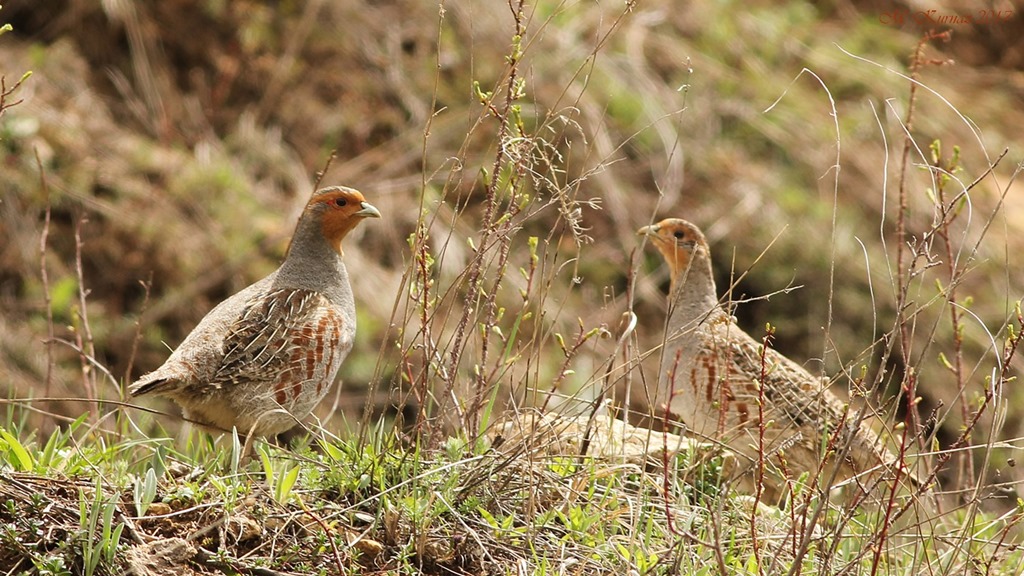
x: 262, y: 359
x: 711, y: 370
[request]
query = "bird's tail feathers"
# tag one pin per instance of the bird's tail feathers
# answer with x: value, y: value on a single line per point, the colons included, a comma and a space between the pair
x: 154, y: 383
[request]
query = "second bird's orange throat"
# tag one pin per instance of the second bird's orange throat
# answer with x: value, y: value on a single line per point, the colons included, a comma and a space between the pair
x: 677, y: 258
x: 679, y: 242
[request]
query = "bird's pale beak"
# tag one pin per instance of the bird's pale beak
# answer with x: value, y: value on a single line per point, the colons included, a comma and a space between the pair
x: 648, y: 230
x: 368, y: 210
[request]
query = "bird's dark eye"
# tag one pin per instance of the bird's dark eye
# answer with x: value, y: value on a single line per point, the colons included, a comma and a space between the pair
x: 339, y: 202
x: 679, y: 234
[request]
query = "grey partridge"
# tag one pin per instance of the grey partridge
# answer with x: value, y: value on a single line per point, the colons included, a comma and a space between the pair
x: 711, y: 371
x: 262, y: 359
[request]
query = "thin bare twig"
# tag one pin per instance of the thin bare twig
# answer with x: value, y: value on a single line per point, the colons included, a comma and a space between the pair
x: 83, y: 333
x: 147, y: 285
x: 44, y: 276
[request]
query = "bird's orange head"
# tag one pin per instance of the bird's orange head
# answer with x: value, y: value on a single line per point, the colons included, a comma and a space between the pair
x: 678, y: 241
x: 339, y: 210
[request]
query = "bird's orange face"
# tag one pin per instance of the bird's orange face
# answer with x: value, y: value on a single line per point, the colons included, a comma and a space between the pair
x: 677, y: 240
x: 340, y: 210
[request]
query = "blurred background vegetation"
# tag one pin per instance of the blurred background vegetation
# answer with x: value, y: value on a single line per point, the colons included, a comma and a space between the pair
x: 183, y: 136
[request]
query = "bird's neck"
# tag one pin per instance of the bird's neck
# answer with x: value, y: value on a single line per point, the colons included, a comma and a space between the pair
x: 692, y: 293
x: 692, y: 304
x: 313, y: 263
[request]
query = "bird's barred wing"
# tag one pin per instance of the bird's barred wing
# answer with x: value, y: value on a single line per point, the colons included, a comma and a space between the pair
x: 284, y: 332
x: 802, y: 402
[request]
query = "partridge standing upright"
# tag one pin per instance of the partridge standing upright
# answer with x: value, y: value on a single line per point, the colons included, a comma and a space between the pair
x: 711, y: 371
x: 262, y: 359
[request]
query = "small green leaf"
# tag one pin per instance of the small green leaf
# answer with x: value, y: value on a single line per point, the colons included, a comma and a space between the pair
x: 284, y: 488
x: 488, y: 517
x: 145, y: 492
x: 936, y: 151
x: 481, y: 95
x: 268, y: 467
x: 21, y: 455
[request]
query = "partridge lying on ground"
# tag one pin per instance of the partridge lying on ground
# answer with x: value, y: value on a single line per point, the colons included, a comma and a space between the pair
x: 264, y: 358
x: 711, y: 369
